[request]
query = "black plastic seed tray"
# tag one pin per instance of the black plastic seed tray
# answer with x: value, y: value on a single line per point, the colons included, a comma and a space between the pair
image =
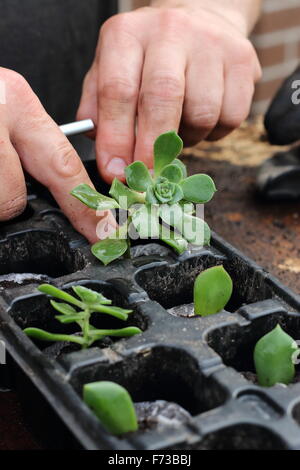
x: 192, y: 378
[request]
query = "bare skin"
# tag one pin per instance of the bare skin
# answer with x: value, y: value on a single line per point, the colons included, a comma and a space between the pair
x: 184, y: 65
x: 29, y: 138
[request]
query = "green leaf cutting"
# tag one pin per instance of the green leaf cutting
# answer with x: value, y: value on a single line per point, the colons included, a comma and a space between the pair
x: 91, y: 198
x: 90, y: 302
x: 146, y: 194
x: 112, y: 405
x: 166, y: 148
x: 212, y: 291
x: 273, y: 358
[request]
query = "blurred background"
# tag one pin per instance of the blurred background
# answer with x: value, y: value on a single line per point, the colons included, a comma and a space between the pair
x: 277, y: 41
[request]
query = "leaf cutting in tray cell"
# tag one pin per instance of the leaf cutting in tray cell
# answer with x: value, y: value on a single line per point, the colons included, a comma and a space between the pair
x: 112, y: 404
x: 212, y: 291
x: 88, y: 302
x: 274, y: 358
x: 143, y: 197
x: 93, y: 199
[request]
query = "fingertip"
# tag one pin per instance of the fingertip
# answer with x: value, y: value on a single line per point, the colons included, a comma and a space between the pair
x: 115, y: 167
x: 112, y: 167
x: 106, y: 226
x: 87, y: 228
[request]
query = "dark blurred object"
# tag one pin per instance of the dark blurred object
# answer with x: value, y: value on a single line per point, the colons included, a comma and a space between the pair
x: 14, y: 435
x: 282, y: 121
x: 279, y: 177
x: 52, y: 44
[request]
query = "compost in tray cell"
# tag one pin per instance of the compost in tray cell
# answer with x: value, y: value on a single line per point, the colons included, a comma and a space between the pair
x: 39, y: 252
x: 162, y: 373
x: 172, y: 285
x: 235, y: 344
x: 242, y: 437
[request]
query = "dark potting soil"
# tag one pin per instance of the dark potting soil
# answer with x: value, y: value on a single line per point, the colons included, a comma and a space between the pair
x: 184, y: 310
x: 160, y: 413
x: 58, y: 349
x: 252, y: 377
x: 149, y: 249
x: 150, y: 415
x: 9, y: 281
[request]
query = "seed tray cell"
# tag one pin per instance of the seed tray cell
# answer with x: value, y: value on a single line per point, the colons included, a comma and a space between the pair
x: 191, y: 378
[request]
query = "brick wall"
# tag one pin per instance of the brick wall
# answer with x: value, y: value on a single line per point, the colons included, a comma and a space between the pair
x: 277, y: 40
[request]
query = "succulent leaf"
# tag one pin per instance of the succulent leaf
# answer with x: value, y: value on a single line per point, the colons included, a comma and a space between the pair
x: 125, y: 196
x: 198, y: 188
x: 166, y: 148
x: 94, y: 200
x: 273, y: 355
x: 145, y: 221
x: 138, y: 176
x: 212, y: 291
x: 113, y: 405
x: 173, y: 173
x: 43, y: 335
x: 182, y: 166
x: 109, y: 249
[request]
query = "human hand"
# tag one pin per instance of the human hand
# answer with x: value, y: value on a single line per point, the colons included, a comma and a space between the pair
x: 189, y: 67
x: 29, y: 138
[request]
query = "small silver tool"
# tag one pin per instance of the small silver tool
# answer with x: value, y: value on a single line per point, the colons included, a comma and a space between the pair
x: 77, y: 127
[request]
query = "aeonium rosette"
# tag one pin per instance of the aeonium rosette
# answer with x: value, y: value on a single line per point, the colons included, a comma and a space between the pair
x: 164, y: 191
x: 159, y: 205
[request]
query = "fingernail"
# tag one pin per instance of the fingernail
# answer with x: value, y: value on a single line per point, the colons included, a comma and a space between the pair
x: 104, y: 229
x: 116, y: 166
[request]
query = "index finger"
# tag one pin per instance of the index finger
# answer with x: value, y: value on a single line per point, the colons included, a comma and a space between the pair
x: 50, y: 158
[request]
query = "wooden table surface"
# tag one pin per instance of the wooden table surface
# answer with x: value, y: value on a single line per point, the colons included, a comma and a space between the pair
x: 268, y: 233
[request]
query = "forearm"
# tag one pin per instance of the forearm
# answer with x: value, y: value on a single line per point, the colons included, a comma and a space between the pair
x: 240, y: 12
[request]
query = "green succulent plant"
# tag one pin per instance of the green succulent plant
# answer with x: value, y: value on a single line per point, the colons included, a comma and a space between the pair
x: 274, y: 356
x: 161, y: 205
x: 112, y: 404
x: 212, y: 291
x: 88, y: 302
